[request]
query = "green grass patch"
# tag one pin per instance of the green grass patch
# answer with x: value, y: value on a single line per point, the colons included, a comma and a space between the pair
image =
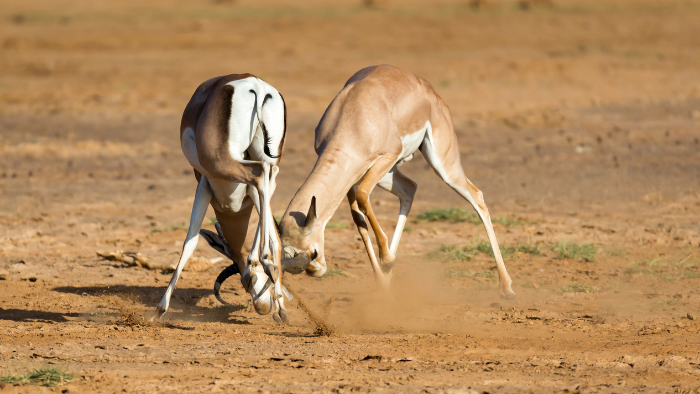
x: 460, y: 274
x: 578, y: 288
x: 213, y: 221
x: 511, y: 223
x: 461, y: 215
x: 169, y: 228
x: 570, y: 250
x: 529, y: 249
x: 337, y: 225
x: 45, y: 376
x: 456, y: 253
x: 669, y: 302
x: 335, y: 272
x: 667, y: 270
x: 407, y: 229
x: 467, y: 251
x: 522, y: 248
x: 452, y: 215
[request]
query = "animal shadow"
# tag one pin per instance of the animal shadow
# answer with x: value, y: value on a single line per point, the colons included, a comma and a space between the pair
x: 185, y: 300
x: 22, y: 315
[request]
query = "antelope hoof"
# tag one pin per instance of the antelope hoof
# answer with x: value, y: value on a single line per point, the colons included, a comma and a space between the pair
x: 284, y: 317
x: 158, y: 315
x: 387, y: 267
x: 383, y: 281
x: 277, y: 318
x: 508, y: 296
x: 507, y: 293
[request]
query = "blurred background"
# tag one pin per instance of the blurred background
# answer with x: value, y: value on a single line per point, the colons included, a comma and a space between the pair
x: 568, y: 103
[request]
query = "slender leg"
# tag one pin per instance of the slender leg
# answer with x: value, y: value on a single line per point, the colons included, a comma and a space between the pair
x: 404, y: 188
x: 364, y: 189
x: 447, y: 165
x: 267, y: 223
x: 275, y: 249
x: 248, y: 276
x: 359, y: 218
x: 252, y: 191
x: 266, y: 257
x: 250, y: 173
x: 201, y: 202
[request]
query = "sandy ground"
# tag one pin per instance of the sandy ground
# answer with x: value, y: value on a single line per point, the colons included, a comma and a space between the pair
x: 580, y: 121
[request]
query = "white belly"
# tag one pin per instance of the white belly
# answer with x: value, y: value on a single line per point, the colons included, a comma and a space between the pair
x: 411, y: 143
x: 228, y: 195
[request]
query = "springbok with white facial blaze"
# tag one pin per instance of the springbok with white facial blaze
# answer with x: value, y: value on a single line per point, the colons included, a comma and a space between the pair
x: 376, y: 122
x: 232, y: 133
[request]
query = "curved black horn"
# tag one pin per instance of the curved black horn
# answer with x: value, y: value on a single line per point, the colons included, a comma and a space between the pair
x: 217, y: 241
x: 225, y: 274
x: 310, y: 217
x: 297, y: 264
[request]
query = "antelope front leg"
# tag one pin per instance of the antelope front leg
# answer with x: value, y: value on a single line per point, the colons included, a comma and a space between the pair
x: 201, y: 202
x: 364, y: 189
x: 359, y: 218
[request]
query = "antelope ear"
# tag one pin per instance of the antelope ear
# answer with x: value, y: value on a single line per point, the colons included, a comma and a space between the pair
x: 310, y: 217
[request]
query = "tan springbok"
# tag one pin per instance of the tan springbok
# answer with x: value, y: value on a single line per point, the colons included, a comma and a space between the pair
x: 376, y: 123
x: 232, y: 134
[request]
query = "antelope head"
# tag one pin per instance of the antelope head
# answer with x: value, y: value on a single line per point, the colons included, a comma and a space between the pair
x: 302, y: 247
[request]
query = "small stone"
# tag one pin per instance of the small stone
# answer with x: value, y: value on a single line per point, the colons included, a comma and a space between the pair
x: 3, y: 277
x: 690, y: 317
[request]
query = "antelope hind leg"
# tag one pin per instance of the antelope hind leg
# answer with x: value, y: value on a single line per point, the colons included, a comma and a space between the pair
x: 404, y: 188
x: 271, y: 250
x: 454, y: 177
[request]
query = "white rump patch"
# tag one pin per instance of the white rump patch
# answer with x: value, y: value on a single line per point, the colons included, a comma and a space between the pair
x: 253, y: 104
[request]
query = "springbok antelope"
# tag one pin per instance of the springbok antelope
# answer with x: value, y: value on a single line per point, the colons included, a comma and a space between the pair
x: 376, y: 123
x: 232, y: 133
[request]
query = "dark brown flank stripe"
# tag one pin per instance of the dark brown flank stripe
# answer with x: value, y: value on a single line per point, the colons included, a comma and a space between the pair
x: 225, y: 108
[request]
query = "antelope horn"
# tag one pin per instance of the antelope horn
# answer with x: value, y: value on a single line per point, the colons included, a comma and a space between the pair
x: 310, y: 217
x: 225, y: 274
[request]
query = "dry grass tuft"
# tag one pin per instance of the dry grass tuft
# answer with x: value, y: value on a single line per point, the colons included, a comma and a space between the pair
x: 570, y: 250
x: 45, y: 376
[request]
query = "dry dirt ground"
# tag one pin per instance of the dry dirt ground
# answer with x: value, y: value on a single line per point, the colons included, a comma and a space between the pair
x: 578, y: 119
